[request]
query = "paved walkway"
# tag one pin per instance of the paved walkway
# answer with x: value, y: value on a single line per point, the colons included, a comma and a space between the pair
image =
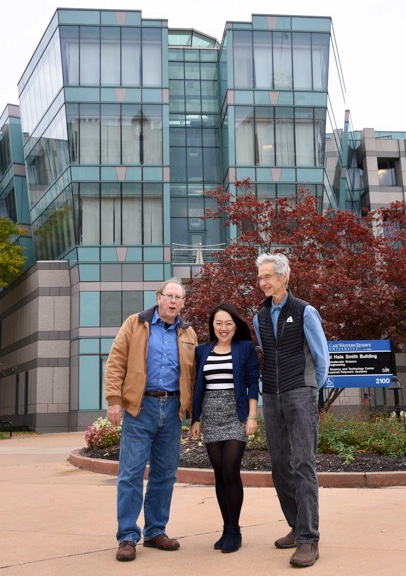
x: 57, y: 519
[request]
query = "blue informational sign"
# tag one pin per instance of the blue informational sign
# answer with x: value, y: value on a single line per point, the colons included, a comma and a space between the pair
x: 360, y: 363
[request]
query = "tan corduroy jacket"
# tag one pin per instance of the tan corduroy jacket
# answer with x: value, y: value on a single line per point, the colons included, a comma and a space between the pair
x: 126, y: 367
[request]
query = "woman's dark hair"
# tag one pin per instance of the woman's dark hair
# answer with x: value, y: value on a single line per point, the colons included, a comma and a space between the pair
x: 242, y: 332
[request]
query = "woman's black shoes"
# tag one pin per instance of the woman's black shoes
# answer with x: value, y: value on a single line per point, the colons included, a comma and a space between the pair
x: 232, y: 540
x: 219, y: 544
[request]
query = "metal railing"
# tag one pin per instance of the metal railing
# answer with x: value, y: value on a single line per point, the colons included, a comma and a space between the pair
x: 195, y: 254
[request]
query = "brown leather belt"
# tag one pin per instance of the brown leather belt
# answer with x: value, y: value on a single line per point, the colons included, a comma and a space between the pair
x: 162, y: 393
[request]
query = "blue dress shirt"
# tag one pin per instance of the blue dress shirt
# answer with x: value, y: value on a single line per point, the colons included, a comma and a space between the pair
x: 162, y: 356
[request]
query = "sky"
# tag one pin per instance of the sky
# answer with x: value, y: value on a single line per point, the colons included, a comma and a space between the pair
x: 369, y: 35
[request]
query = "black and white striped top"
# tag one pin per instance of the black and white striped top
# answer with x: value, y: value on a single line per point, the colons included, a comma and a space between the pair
x: 218, y: 371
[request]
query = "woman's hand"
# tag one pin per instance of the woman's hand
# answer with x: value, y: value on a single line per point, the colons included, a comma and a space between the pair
x: 194, y: 431
x: 251, y: 425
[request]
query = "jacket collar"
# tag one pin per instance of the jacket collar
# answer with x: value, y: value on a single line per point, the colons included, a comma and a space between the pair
x: 147, y: 315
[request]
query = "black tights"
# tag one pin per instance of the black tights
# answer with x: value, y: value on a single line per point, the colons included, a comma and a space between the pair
x: 226, y: 457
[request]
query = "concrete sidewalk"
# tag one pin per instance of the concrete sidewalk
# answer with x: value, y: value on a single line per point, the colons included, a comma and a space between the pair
x: 60, y: 519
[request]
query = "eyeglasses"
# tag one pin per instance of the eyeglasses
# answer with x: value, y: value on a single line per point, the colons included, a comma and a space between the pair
x: 267, y: 277
x: 173, y: 297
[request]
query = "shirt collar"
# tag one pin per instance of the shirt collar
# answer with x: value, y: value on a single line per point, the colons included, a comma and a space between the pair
x: 278, y: 306
x: 157, y: 320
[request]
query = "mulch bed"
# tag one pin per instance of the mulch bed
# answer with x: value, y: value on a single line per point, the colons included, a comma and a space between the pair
x: 194, y: 455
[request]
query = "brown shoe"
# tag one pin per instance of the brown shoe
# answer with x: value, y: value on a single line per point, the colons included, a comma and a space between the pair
x: 287, y: 541
x: 126, y: 551
x: 162, y: 542
x: 305, y: 555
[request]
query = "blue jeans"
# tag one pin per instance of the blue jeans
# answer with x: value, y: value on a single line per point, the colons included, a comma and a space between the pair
x: 291, y: 427
x: 154, y: 437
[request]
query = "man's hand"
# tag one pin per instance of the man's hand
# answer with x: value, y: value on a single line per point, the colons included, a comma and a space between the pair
x: 114, y: 414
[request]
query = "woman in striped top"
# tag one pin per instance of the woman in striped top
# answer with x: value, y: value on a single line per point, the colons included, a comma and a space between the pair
x: 225, y: 399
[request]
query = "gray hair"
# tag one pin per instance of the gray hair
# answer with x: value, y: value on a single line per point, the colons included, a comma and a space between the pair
x: 171, y: 281
x: 280, y: 262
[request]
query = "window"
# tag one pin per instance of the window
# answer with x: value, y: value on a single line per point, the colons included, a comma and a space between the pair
x: 387, y: 172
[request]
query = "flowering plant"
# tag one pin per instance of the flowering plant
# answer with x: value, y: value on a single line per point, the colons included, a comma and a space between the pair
x: 102, y: 433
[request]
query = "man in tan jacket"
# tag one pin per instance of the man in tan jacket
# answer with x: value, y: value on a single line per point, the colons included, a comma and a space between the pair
x: 149, y: 381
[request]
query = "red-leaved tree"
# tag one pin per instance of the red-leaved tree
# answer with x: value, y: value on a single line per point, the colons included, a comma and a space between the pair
x: 352, y: 269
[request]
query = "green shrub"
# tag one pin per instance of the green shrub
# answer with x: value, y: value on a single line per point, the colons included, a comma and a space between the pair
x: 346, y: 435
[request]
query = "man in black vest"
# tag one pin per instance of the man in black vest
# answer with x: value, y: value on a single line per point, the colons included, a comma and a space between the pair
x: 295, y: 366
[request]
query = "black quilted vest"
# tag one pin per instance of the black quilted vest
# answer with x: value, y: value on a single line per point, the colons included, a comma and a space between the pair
x: 284, y: 358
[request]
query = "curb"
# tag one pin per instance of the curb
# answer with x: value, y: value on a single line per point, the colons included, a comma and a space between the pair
x: 253, y: 478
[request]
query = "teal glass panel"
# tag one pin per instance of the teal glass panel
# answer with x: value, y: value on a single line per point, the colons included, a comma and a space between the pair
x: 153, y: 254
x: 243, y: 173
x: 152, y: 174
x: 244, y: 97
x: 153, y: 272
x: 311, y: 24
x: 67, y: 16
x: 311, y: 99
x: 108, y: 255
x: 105, y: 345
x: 89, y: 382
x: 109, y: 174
x: 285, y: 98
x: 192, y: 55
x: 89, y: 273
x: 89, y: 309
x: 134, y: 255
x: 311, y: 175
x: 89, y: 346
x: 208, y: 72
x: 209, y: 56
x: 151, y: 95
x: 132, y: 18
x: 80, y: 173
x: 149, y: 299
x: 134, y: 173
x: 88, y: 254
x: 81, y: 94
x: 266, y: 175
x: 283, y: 23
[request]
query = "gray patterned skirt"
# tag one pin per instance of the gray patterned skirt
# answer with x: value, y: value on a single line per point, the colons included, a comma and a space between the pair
x: 219, y: 417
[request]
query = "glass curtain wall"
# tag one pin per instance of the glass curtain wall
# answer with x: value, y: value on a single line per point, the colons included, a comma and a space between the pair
x: 194, y: 143
x: 280, y: 61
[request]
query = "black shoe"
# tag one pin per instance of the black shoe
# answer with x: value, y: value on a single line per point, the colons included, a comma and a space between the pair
x: 232, y: 541
x: 219, y: 544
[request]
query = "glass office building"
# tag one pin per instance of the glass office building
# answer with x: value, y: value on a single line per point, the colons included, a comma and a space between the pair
x: 125, y: 124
